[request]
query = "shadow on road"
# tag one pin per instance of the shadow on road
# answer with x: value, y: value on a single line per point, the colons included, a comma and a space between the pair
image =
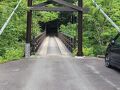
x: 116, y: 69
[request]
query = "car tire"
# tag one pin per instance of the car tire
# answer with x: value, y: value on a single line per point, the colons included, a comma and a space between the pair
x: 107, y: 61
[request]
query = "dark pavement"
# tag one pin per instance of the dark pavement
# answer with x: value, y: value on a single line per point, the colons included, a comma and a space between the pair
x: 58, y: 72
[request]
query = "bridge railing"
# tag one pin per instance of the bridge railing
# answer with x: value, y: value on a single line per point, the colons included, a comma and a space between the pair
x: 69, y: 41
x: 36, y: 42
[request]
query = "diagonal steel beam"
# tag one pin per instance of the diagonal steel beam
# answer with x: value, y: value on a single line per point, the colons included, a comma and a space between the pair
x: 42, y: 4
x: 67, y: 4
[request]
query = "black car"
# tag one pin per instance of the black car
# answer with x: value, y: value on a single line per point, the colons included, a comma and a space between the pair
x: 112, y: 56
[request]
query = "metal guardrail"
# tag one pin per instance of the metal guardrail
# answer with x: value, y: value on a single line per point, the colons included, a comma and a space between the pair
x: 36, y: 42
x: 69, y: 42
x: 9, y: 18
x: 106, y: 16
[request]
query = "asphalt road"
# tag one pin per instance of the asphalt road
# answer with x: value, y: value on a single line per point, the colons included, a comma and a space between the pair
x: 58, y: 71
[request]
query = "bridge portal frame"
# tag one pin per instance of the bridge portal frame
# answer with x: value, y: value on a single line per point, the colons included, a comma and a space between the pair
x: 68, y: 7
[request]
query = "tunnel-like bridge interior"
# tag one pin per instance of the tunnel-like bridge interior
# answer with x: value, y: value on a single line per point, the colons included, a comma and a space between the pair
x: 50, y: 27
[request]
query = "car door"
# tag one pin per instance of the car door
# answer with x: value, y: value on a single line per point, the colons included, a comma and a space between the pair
x: 115, y: 51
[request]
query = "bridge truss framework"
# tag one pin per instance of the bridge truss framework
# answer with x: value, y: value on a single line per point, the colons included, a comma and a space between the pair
x: 68, y: 7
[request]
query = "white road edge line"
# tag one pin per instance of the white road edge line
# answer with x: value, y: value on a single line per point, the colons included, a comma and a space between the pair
x: 98, y: 73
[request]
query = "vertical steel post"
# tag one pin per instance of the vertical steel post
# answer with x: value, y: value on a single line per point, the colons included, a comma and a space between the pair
x: 28, y: 30
x: 80, y: 31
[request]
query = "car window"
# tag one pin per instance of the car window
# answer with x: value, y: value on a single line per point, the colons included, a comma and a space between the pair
x: 117, y: 41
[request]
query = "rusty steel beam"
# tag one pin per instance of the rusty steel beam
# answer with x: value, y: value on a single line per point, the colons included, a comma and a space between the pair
x: 28, y: 30
x: 80, y: 30
x: 53, y: 9
x: 67, y: 4
x: 29, y: 22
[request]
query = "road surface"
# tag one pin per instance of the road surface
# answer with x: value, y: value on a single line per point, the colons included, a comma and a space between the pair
x: 53, y: 68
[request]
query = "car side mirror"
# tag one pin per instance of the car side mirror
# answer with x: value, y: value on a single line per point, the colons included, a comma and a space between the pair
x: 113, y: 42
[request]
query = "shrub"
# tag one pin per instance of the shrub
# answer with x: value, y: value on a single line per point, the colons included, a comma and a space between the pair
x: 13, y: 54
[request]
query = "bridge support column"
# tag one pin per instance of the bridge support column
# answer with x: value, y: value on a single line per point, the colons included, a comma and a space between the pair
x: 80, y: 30
x: 28, y: 31
x: 27, y: 50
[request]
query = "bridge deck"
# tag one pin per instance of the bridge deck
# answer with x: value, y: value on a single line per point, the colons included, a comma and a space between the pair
x: 52, y: 46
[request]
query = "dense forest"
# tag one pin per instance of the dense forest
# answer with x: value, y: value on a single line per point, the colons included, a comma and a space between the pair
x: 97, y: 30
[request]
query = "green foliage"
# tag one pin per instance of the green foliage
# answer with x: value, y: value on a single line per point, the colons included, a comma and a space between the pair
x: 12, y: 40
x: 70, y: 29
x: 97, y: 30
x: 13, y: 53
x: 48, y: 16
